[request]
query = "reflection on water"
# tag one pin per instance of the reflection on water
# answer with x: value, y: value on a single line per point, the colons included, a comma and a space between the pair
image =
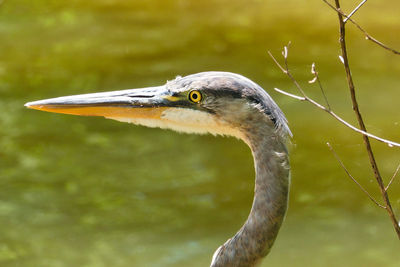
x: 94, y: 192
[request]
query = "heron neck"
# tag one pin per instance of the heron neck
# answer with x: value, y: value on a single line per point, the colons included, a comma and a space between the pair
x: 256, y: 237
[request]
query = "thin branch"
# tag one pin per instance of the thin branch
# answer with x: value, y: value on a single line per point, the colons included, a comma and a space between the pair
x: 365, y: 134
x: 316, y: 78
x: 286, y: 70
x: 304, y: 97
x: 362, y: 129
x: 353, y: 179
x: 367, y: 35
x: 354, y: 11
x: 291, y: 95
x: 361, y: 123
x: 392, y: 179
x: 277, y: 63
x: 337, y: 117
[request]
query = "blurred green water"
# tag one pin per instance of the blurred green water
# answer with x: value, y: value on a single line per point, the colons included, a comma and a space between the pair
x: 92, y: 192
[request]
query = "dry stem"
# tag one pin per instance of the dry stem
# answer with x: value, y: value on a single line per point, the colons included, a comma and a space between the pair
x: 353, y: 179
x: 392, y: 179
x: 304, y: 97
x: 354, y: 11
x: 362, y: 130
x: 356, y: 109
x: 316, y: 78
x: 367, y: 35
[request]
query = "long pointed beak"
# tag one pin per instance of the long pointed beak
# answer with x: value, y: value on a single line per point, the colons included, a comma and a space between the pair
x: 132, y: 103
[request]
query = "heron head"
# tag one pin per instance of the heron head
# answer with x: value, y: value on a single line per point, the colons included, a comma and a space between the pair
x: 219, y: 103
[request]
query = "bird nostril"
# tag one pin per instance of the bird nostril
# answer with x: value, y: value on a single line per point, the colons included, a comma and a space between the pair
x: 142, y: 96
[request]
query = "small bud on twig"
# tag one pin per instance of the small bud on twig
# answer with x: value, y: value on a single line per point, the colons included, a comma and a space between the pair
x: 341, y: 59
x: 313, y: 72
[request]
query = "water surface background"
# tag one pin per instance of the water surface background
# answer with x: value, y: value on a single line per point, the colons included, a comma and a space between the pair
x: 78, y: 191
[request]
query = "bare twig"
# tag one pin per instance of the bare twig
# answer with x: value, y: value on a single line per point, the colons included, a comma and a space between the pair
x: 353, y: 179
x: 392, y: 179
x: 304, y: 97
x: 362, y: 129
x: 337, y: 117
x: 365, y: 134
x: 316, y: 78
x: 291, y: 95
x: 367, y: 35
x: 360, y: 120
x: 355, y: 10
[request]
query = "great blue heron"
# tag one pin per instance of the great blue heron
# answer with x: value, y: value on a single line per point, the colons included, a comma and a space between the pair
x: 220, y: 103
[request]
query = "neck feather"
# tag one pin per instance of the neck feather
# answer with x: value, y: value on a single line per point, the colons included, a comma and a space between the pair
x: 256, y: 237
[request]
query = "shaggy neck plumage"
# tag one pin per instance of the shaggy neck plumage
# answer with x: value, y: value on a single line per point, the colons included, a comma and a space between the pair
x: 256, y: 237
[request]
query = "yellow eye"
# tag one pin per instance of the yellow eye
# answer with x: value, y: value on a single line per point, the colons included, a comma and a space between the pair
x: 195, y: 96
